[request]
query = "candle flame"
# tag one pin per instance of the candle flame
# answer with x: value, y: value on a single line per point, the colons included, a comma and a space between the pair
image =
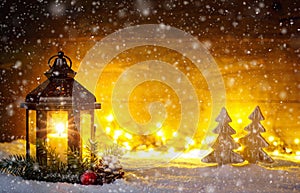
x: 60, y: 128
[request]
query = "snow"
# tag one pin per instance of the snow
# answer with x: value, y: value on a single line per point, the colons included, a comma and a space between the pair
x: 256, y: 45
x: 179, y: 175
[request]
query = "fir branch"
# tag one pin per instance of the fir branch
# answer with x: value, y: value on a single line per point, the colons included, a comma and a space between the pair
x: 56, y: 170
x: 16, y: 164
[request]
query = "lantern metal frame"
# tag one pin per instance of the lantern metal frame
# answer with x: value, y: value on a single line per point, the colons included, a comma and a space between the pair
x: 60, y: 92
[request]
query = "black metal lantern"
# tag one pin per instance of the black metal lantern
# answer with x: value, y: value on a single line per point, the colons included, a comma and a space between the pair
x: 59, y: 112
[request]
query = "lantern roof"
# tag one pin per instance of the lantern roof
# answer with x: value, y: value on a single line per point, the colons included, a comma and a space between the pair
x: 60, y: 90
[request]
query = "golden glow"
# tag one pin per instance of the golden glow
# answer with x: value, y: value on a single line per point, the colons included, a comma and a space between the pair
x: 152, y: 91
x: 58, y: 122
x: 193, y: 154
x: 148, y: 92
x: 297, y: 155
x: 57, y: 138
x: 60, y: 128
x: 110, y: 118
x: 160, y: 133
x: 32, y: 130
x: 132, y: 142
x: 241, y: 148
x: 175, y: 134
x: 288, y: 150
x: 276, y: 152
x: 107, y: 129
x: 240, y: 121
x: 128, y: 135
x: 85, y: 134
x: 271, y: 138
x: 127, y: 146
x: 117, y: 134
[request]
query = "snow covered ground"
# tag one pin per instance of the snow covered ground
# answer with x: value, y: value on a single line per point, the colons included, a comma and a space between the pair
x: 181, y: 175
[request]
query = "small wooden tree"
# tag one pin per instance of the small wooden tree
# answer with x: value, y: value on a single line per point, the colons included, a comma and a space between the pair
x: 254, y: 142
x: 224, y: 145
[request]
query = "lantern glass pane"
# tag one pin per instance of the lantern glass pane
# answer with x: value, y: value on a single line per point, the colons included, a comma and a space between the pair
x: 85, y: 133
x: 32, y: 131
x: 57, y: 129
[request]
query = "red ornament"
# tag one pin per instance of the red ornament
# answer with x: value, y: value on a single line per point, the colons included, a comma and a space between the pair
x: 88, y: 178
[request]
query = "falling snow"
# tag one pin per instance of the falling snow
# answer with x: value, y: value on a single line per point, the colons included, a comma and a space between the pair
x: 255, y: 44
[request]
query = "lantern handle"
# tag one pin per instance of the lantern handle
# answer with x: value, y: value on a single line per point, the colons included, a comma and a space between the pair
x: 60, y: 55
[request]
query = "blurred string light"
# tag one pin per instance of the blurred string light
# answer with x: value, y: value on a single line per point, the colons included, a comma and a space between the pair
x: 298, y: 155
x: 131, y: 142
x: 110, y: 118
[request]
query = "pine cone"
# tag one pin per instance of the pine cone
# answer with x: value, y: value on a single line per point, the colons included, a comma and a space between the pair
x: 110, y: 170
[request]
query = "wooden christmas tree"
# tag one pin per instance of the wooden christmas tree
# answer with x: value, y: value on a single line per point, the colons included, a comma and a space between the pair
x: 224, y: 145
x: 254, y: 142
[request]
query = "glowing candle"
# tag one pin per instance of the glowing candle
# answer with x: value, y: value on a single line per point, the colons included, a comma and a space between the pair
x: 58, y: 142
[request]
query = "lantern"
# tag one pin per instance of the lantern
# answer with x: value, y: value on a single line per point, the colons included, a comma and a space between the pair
x: 59, y: 113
